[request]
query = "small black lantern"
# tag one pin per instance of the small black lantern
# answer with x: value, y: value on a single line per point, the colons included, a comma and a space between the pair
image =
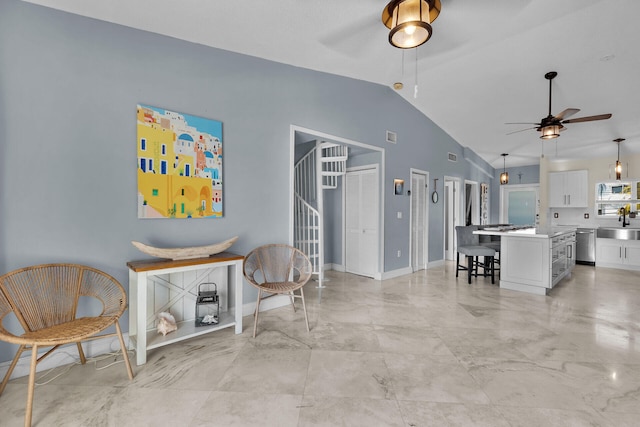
x: 207, y: 304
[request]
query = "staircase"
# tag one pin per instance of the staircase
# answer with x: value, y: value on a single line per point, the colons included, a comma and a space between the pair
x: 330, y: 159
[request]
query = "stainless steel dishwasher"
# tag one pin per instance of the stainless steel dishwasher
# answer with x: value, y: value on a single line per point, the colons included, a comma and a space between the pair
x: 586, y: 246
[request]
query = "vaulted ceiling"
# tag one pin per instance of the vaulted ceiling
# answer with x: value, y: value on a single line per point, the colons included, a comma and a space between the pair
x: 483, y: 66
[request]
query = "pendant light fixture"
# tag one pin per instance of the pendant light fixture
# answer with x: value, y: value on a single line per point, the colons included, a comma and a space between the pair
x: 618, y: 164
x: 410, y: 21
x: 504, y: 176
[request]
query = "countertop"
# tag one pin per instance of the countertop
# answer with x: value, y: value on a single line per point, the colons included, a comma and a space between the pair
x: 536, y: 232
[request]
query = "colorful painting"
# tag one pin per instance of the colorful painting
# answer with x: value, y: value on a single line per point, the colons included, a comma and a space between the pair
x: 179, y: 165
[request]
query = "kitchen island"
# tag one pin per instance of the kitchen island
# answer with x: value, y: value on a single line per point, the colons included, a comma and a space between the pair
x: 534, y: 259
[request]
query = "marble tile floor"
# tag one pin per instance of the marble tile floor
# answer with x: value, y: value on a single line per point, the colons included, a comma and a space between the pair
x: 420, y: 350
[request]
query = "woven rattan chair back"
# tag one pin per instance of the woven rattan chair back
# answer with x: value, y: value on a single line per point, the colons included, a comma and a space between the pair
x: 44, y: 299
x: 277, y: 269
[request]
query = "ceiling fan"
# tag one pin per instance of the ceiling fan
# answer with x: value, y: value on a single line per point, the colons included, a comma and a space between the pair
x: 550, y: 126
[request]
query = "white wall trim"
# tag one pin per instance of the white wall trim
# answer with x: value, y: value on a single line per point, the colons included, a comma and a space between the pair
x: 65, y: 355
x: 397, y: 273
x: 436, y: 263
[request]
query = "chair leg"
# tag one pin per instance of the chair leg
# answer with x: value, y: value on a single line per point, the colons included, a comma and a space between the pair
x: 292, y: 303
x: 32, y: 379
x: 469, y: 268
x: 457, y: 263
x: 255, y: 321
x: 83, y: 359
x: 304, y: 308
x: 11, y: 368
x: 493, y: 276
x: 125, y: 355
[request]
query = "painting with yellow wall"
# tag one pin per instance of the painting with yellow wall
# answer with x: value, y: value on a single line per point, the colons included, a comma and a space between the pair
x: 179, y: 165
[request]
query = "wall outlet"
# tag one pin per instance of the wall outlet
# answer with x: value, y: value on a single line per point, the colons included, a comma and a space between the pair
x: 399, y: 254
x: 399, y: 214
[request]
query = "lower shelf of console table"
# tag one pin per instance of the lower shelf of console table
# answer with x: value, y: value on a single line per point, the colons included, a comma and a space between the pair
x: 140, y: 272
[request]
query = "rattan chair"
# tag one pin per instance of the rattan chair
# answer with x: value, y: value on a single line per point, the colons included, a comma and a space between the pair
x: 276, y: 270
x: 44, y: 299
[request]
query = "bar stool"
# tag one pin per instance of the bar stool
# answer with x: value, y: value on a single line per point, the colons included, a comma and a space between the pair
x: 468, y: 244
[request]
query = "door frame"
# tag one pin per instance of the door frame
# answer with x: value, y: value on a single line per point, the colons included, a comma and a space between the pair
x: 475, y: 201
x: 413, y: 171
x: 377, y: 275
x: 517, y: 187
x: 456, y: 212
x: 314, y: 134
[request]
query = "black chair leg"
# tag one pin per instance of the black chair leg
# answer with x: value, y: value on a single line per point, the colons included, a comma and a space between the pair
x: 457, y: 263
x: 493, y: 280
x: 469, y: 268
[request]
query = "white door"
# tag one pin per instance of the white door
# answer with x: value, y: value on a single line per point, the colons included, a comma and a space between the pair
x: 452, y: 216
x: 520, y: 204
x: 361, y: 222
x: 419, y: 220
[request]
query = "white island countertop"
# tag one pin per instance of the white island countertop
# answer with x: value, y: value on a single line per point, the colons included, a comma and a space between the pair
x: 538, y: 232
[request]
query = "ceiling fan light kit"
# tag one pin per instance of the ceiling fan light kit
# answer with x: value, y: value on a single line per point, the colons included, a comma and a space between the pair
x: 550, y: 132
x: 550, y: 126
x: 410, y: 21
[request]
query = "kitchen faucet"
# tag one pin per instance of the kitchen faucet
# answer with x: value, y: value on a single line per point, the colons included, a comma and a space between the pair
x: 623, y: 217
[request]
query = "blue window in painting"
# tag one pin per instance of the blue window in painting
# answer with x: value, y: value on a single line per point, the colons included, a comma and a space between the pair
x: 143, y: 164
x: 164, y: 149
x: 143, y: 144
x: 187, y: 170
x: 150, y: 163
x: 163, y: 167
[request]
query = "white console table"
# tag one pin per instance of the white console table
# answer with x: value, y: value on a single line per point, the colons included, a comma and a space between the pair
x: 142, y: 338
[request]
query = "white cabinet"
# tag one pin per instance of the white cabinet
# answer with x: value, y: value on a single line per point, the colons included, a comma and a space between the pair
x: 536, y: 264
x: 613, y: 253
x: 568, y: 189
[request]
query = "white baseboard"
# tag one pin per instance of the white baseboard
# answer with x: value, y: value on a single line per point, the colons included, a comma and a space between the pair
x: 396, y: 273
x: 268, y: 304
x: 63, y: 356
x: 69, y: 354
x: 437, y: 263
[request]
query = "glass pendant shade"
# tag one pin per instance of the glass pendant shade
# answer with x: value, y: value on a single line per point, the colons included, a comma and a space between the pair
x: 504, y: 178
x: 550, y: 132
x: 410, y: 21
x: 618, y: 168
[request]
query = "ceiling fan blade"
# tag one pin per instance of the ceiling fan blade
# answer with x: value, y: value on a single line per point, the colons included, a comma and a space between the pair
x: 567, y: 113
x: 588, y: 118
x: 522, y: 123
x: 521, y: 130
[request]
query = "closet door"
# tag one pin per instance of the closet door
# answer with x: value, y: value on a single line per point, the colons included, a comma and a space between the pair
x: 419, y: 220
x: 362, y: 222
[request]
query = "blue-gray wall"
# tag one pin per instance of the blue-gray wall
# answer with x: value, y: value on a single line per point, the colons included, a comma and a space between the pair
x: 69, y: 87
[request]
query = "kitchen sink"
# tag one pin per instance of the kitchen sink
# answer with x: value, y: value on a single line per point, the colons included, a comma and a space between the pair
x: 626, y: 233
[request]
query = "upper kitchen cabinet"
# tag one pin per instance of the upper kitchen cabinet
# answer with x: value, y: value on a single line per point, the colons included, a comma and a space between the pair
x: 568, y: 189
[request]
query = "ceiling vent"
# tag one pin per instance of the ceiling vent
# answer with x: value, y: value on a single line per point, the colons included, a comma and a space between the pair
x: 452, y: 157
x: 392, y: 137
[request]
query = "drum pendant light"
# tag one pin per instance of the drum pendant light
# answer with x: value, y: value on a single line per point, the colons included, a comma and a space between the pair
x: 410, y: 21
